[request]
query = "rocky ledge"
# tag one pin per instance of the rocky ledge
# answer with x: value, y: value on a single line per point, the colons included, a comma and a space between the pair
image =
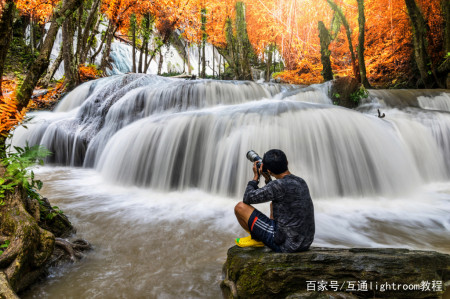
x: 336, y: 273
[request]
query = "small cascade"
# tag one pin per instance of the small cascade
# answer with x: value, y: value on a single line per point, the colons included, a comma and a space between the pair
x: 439, y: 102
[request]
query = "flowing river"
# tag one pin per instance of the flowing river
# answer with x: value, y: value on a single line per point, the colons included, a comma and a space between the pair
x: 149, y: 169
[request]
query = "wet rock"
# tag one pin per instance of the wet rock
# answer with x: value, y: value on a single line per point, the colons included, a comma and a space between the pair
x: 335, y: 273
x: 341, y: 89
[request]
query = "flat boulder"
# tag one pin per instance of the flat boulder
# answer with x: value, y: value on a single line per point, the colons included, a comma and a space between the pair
x: 336, y: 273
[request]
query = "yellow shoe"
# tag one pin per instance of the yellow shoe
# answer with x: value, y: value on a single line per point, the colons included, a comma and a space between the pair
x: 248, y: 242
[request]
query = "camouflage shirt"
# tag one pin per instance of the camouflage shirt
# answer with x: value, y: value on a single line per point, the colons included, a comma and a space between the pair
x: 293, y: 210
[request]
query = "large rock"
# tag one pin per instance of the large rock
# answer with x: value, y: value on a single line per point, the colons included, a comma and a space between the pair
x: 341, y: 90
x: 375, y: 272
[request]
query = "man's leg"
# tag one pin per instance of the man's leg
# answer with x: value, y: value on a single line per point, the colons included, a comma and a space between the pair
x: 243, y: 212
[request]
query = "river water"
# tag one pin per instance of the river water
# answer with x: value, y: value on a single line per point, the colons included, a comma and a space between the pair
x: 149, y: 169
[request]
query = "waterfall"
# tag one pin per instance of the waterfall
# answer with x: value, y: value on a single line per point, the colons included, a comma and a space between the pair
x: 166, y: 134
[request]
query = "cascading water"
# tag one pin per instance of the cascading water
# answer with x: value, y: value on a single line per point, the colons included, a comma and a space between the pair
x: 174, y: 134
x: 163, y: 163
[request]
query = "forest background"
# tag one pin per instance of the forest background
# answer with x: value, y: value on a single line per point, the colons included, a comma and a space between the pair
x: 387, y: 43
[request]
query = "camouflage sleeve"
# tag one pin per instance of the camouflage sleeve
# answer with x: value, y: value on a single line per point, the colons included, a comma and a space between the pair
x: 269, y: 192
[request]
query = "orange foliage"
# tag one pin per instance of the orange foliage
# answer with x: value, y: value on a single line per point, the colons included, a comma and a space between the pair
x: 88, y: 73
x: 39, y: 10
x: 47, y: 100
x: 9, y: 116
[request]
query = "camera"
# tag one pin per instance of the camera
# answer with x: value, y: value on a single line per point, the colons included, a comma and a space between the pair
x: 254, y: 157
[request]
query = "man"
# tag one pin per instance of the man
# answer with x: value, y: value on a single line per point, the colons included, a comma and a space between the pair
x: 291, y: 225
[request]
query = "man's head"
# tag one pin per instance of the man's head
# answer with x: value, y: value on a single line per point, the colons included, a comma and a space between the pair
x: 275, y: 161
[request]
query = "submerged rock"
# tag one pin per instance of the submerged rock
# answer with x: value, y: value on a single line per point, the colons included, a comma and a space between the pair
x: 335, y: 273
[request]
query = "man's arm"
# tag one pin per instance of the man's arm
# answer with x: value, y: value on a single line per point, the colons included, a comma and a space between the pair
x: 269, y: 192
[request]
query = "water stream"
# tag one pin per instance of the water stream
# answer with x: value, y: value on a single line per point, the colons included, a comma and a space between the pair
x: 150, y: 168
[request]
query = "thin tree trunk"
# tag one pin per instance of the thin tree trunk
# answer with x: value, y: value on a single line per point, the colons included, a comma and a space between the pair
x: 213, y: 62
x: 105, y: 59
x: 92, y: 59
x: 70, y: 69
x: 325, y: 40
x: 160, y: 62
x: 157, y: 50
x: 188, y: 58
x: 269, y: 62
x: 419, y: 32
x: 133, y: 24
x: 85, y: 47
x: 31, y: 35
x: 6, y: 24
x: 80, y: 24
x: 445, y: 5
x: 41, y: 63
x: 41, y: 39
x: 51, y: 72
x: 362, y: 27
x: 199, y: 61
x: 348, y: 32
x: 203, y: 13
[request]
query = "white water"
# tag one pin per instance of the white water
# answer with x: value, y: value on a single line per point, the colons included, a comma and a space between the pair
x: 164, y: 164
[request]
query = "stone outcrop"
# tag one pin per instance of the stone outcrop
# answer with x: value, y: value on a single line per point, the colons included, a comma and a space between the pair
x: 335, y: 273
x: 341, y: 90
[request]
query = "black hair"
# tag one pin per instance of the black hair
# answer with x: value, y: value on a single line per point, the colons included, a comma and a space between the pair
x: 275, y: 160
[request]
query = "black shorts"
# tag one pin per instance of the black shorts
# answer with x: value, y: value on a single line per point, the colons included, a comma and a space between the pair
x: 263, y: 229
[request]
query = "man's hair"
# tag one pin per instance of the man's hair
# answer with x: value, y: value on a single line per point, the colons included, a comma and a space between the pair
x: 275, y: 161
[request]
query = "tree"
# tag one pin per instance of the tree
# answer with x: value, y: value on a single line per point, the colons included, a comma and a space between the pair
x: 42, y: 61
x: 325, y: 40
x: 6, y: 23
x: 70, y: 65
x: 361, y: 46
x: 348, y: 32
x: 419, y: 30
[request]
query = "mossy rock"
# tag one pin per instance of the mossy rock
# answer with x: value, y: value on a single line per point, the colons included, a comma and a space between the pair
x: 261, y: 273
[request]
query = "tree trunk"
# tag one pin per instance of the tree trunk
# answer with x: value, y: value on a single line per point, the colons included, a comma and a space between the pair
x: 445, y: 5
x: 109, y: 38
x: 243, y: 43
x: 41, y: 63
x: 133, y: 32
x: 232, y: 57
x: 70, y: 69
x: 160, y: 62
x: 188, y: 59
x: 80, y: 25
x: 362, y: 28
x: 214, y: 61
x: 92, y: 59
x: 6, y: 24
x: 203, y: 19
x: 444, y: 68
x: 269, y: 61
x: 147, y: 32
x: 325, y: 40
x: 348, y: 32
x: 31, y: 35
x: 419, y: 31
x: 51, y: 72
x: 85, y: 46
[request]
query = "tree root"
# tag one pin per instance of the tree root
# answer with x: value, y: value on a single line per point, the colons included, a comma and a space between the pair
x: 73, y: 249
x: 31, y: 247
x: 6, y: 292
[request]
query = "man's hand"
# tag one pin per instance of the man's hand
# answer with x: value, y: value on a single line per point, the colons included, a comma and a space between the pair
x: 255, y: 172
x: 266, y: 175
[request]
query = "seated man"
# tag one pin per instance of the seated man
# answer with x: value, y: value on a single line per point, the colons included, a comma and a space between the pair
x: 291, y: 224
